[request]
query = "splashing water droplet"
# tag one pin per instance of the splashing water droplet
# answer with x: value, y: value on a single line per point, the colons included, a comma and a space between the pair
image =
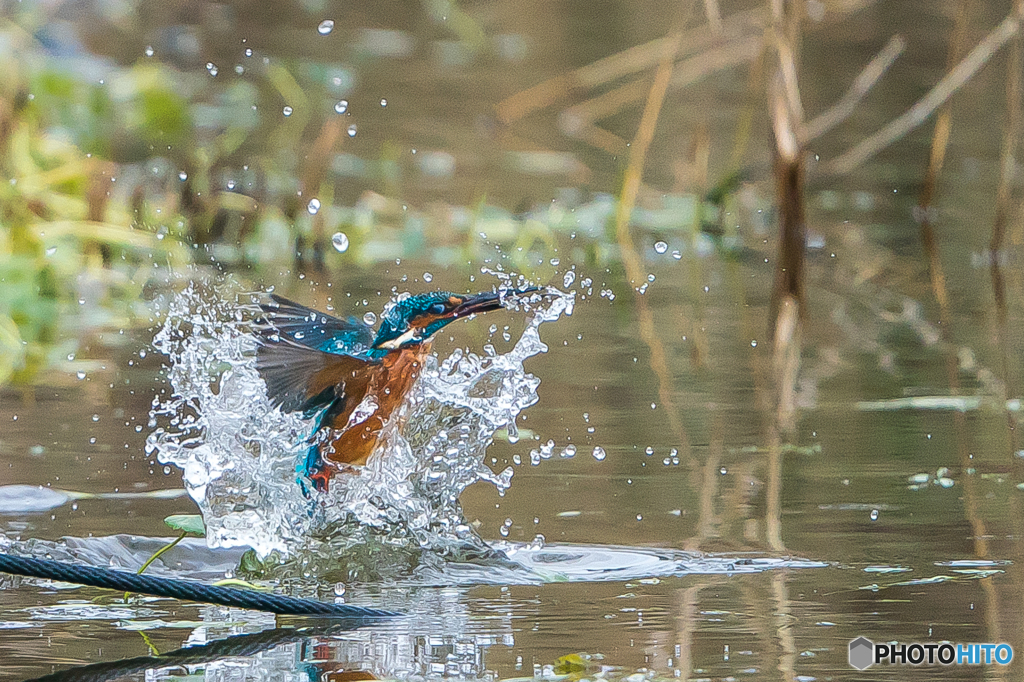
x: 370, y: 318
x: 211, y: 68
x: 313, y: 207
x: 183, y: 176
x: 325, y: 27
x: 149, y: 50
x: 340, y: 242
x: 874, y: 514
x: 352, y: 130
x: 341, y: 107
x: 599, y: 453
x: 568, y: 279
x: 427, y: 277
x: 287, y: 111
x: 660, y: 247
x: 383, y: 102
x: 51, y: 250
x: 239, y: 453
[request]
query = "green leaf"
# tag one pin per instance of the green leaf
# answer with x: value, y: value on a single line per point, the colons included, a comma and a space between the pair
x: 187, y: 523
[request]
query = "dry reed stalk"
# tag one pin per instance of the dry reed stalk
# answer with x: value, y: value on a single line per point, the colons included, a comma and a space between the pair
x: 1007, y: 165
x: 687, y: 618
x: 706, y: 519
x: 927, y: 105
x: 866, y: 80
x: 789, y: 271
x: 940, y: 140
x: 773, y: 492
x: 630, y: 258
x: 592, y: 134
x: 686, y: 72
x: 746, y: 119
x: 784, y: 620
x: 786, y: 361
x: 628, y: 62
x: 787, y: 305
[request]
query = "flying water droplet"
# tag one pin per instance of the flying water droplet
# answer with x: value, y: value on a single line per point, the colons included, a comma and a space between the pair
x: 427, y: 277
x: 149, y: 50
x: 383, y: 102
x: 874, y: 514
x: 51, y: 250
x: 211, y: 68
x: 340, y: 242
x: 325, y: 27
x: 568, y: 279
x: 352, y: 130
x: 313, y: 207
x: 341, y: 107
x: 599, y: 453
x: 287, y: 111
x: 660, y: 247
x: 183, y: 176
x: 370, y: 318
x: 431, y: 456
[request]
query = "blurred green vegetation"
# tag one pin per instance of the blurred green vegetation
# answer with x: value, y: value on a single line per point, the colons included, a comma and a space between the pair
x: 61, y: 237
x: 117, y: 173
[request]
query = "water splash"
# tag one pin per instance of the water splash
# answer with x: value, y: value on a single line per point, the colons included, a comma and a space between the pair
x: 238, y: 454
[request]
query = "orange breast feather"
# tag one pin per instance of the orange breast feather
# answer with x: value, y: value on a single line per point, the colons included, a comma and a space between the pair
x: 388, y: 382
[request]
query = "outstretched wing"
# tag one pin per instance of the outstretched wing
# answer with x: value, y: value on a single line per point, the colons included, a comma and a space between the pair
x: 303, y: 379
x: 286, y: 319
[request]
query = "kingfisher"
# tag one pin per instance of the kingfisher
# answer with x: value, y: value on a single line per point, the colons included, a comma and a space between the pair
x: 348, y: 378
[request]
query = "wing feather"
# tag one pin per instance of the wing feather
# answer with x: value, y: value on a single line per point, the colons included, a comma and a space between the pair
x: 304, y: 379
x: 312, y: 328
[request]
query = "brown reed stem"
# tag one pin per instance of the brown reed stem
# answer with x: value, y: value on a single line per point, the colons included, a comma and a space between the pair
x: 927, y: 105
x: 1007, y: 165
x: 630, y: 258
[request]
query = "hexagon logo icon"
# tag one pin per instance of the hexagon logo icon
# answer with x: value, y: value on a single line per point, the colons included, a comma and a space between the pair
x: 862, y: 652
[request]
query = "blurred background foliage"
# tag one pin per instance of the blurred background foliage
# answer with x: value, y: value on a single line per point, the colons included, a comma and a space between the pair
x: 312, y: 136
x: 137, y: 139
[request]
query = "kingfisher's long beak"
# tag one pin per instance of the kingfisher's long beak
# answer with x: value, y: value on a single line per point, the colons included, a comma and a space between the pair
x: 482, y: 303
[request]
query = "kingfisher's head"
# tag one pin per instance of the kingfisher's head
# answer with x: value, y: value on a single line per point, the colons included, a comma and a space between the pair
x: 415, y: 319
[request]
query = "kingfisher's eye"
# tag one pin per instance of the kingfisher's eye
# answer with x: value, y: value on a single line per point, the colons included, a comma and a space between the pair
x: 436, y: 309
